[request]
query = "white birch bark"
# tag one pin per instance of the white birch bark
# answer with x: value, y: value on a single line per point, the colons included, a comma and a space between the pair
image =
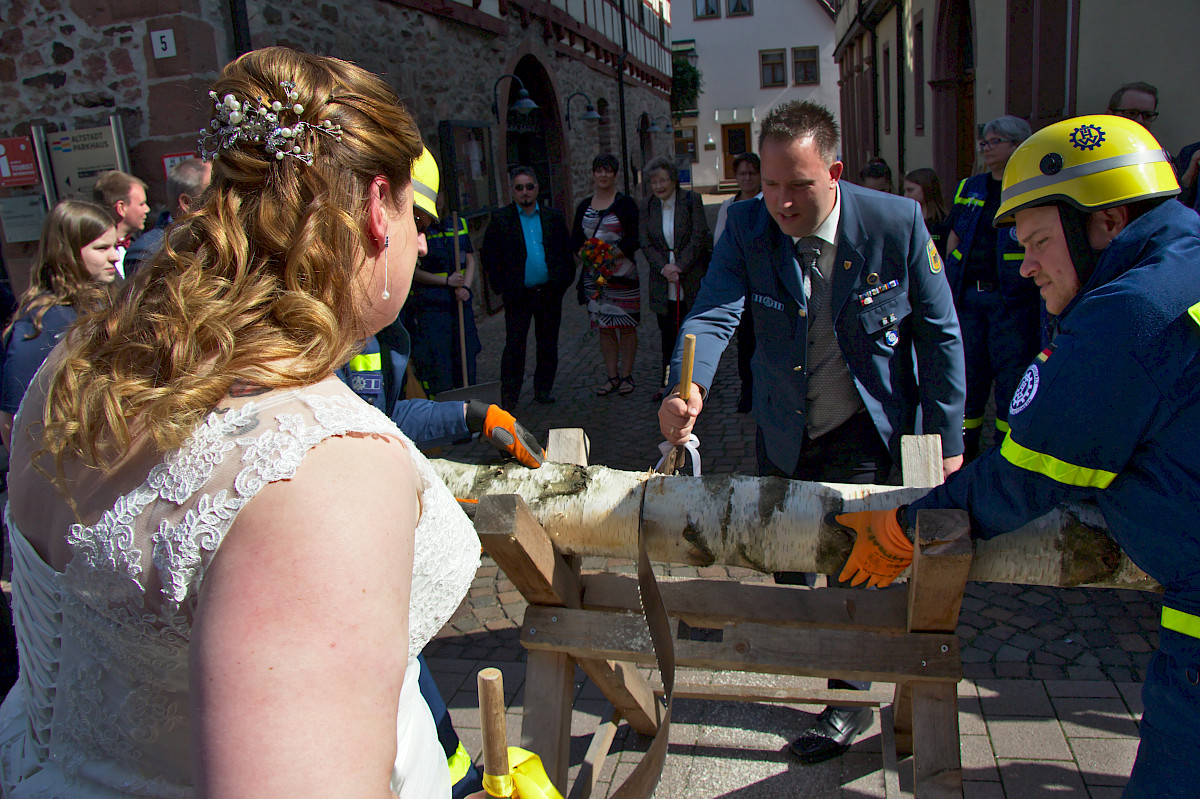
x: 771, y: 524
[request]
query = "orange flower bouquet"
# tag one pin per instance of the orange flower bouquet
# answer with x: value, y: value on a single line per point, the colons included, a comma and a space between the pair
x: 600, y: 257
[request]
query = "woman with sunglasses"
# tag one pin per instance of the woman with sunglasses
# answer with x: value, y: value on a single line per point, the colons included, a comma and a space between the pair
x: 998, y: 310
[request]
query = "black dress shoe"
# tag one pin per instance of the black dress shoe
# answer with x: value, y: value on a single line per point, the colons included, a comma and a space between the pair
x: 544, y: 399
x: 835, y: 730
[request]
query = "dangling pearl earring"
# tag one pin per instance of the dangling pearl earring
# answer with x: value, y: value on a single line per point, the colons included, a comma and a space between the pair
x: 386, y: 295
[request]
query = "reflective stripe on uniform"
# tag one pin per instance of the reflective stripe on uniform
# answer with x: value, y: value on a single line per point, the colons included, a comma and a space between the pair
x: 371, y: 362
x: 460, y: 764
x: 1055, y: 469
x: 968, y: 201
x: 1181, y: 622
x: 1014, y: 256
x: 1194, y: 312
x: 971, y: 424
x: 446, y: 233
x: 1001, y: 426
x: 956, y: 254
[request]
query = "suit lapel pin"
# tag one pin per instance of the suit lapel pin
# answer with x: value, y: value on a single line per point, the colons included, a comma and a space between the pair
x: 872, y: 278
x: 845, y: 264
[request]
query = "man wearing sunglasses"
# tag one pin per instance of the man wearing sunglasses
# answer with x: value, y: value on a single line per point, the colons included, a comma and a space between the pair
x: 998, y: 311
x: 527, y: 257
x: 1137, y: 101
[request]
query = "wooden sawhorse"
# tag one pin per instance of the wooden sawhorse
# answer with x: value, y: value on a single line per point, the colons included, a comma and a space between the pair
x: 905, y: 637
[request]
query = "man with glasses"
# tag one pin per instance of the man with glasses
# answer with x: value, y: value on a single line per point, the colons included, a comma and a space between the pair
x: 1137, y: 101
x: 998, y: 311
x: 527, y: 257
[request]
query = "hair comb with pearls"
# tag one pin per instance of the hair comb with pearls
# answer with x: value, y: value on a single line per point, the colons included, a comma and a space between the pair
x: 259, y: 123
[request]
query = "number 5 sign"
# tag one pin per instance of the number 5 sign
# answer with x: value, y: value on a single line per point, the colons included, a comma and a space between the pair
x: 163, y: 43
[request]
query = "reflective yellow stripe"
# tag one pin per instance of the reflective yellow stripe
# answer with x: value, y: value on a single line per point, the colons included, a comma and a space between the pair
x: 968, y: 201
x: 460, y: 764
x: 1059, y: 471
x: 1181, y: 622
x: 371, y: 362
x: 1194, y: 312
x: 956, y: 254
x: 1014, y: 256
x: 971, y: 424
x: 1001, y: 426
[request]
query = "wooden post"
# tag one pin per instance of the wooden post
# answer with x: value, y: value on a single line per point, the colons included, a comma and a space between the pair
x: 491, y: 722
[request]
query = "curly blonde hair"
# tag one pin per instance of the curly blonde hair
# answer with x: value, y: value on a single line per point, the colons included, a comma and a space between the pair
x: 59, y: 276
x: 263, y: 273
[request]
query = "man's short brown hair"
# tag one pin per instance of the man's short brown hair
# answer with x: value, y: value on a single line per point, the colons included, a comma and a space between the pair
x: 802, y: 119
x: 113, y: 187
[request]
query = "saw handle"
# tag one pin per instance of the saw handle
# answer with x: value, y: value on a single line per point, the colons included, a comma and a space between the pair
x: 685, y: 373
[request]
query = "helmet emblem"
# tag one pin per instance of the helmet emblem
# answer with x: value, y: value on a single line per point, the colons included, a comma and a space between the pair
x: 1087, y: 137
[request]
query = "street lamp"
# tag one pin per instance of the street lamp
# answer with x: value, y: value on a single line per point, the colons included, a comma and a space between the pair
x: 522, y: 105
x: 589, y: 113
x: 654, y: 128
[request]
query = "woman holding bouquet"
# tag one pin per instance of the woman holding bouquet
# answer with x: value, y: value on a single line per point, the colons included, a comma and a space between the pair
x: 608, y: 282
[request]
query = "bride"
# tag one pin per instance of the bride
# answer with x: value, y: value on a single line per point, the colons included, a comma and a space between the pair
x: 225, y: 563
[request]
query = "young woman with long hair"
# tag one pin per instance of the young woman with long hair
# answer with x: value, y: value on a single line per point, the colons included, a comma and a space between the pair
x: 77, y: 260
x: 226, y: 563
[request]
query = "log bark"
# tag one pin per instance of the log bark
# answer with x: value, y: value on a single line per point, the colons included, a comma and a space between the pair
x: 771, y: 524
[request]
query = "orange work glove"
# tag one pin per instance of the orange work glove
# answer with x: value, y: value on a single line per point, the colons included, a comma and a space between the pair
x: 505, y: 433
x: 881, y: 549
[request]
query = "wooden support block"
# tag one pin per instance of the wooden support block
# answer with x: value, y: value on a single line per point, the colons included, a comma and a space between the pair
x: 838, y: 697
x: 921, y: 461
x: 546, y: 721
x: 937, y: 764
x: 713, y: 603
x: 847, y: 654
x: 524, y: 552
x: 939, y: 570
x: 568, y: 445
x: 902, y: 718
x: 527, y: 556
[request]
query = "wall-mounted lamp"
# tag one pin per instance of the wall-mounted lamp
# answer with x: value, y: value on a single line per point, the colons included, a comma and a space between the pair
x: 710, y: 140
x: 522, y: 105
x: 589, y: 113
x: 654, y: 128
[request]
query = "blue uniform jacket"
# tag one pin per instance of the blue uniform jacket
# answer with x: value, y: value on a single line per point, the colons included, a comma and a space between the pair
x: 24, y: 356
x: 889, y: 296
x: 965, y: 218
x: 1111, y: 412
x: 377, y: 375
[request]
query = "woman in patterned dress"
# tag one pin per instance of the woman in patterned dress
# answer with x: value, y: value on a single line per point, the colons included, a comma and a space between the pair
x: 613, y: 301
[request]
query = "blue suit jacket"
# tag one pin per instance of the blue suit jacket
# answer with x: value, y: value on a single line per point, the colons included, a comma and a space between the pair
x: 889, y: 298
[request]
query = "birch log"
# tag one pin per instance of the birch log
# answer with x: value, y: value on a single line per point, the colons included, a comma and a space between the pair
x: 771, y: 524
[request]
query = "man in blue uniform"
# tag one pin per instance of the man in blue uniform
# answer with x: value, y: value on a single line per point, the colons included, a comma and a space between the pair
x: 845, y: 286
x: 1110, y: 411
x: 998, y: 311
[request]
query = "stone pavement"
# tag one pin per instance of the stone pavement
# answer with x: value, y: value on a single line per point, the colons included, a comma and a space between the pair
x: 1051, y: 691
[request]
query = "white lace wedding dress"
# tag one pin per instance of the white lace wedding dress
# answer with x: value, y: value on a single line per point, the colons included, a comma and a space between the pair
x: 101, y: 705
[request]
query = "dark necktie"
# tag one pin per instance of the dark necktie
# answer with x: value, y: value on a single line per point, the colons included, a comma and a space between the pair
x: 808, y: 250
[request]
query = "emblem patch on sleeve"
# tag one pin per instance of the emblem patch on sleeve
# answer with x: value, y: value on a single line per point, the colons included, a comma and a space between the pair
x: 1026, y: 391
x: 935, y: 260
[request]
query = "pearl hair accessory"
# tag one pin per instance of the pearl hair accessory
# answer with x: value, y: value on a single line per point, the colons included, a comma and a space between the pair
x: 258, y: 123
x: 386, y: 295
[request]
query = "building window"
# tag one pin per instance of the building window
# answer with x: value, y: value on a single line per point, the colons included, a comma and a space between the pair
x: 685, y: 142
x: 918, y: 56
x: 887, y: 88
x: 805, y: 65
x: 739, y: 8
x: 708, y: 9
x: 773, y: 68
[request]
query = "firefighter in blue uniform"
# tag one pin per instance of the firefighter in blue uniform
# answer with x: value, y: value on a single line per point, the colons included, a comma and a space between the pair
x: 431, y: 312
x: 998, y: 310
x: 377, y: 375
x: 1109, y: 411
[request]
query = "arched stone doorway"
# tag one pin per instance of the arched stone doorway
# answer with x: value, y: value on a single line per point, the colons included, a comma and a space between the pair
x: 536, y: 139
x: 953, y: 85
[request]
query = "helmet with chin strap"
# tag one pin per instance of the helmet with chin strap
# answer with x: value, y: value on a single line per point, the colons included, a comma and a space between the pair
x: 1083, y: 165
x: 425, y: 180
x: 1090, y: 162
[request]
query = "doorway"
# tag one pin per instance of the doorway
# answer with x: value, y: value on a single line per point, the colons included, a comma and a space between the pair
x: 953, y: 85
x: 735, y: 140
x: 535, y: 139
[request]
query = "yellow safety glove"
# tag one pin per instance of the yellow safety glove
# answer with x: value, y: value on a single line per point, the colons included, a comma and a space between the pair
x: 881, y: 549
x: 505, y: 433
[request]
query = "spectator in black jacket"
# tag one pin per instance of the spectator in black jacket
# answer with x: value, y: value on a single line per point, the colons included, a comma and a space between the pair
x: 526, y: 256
